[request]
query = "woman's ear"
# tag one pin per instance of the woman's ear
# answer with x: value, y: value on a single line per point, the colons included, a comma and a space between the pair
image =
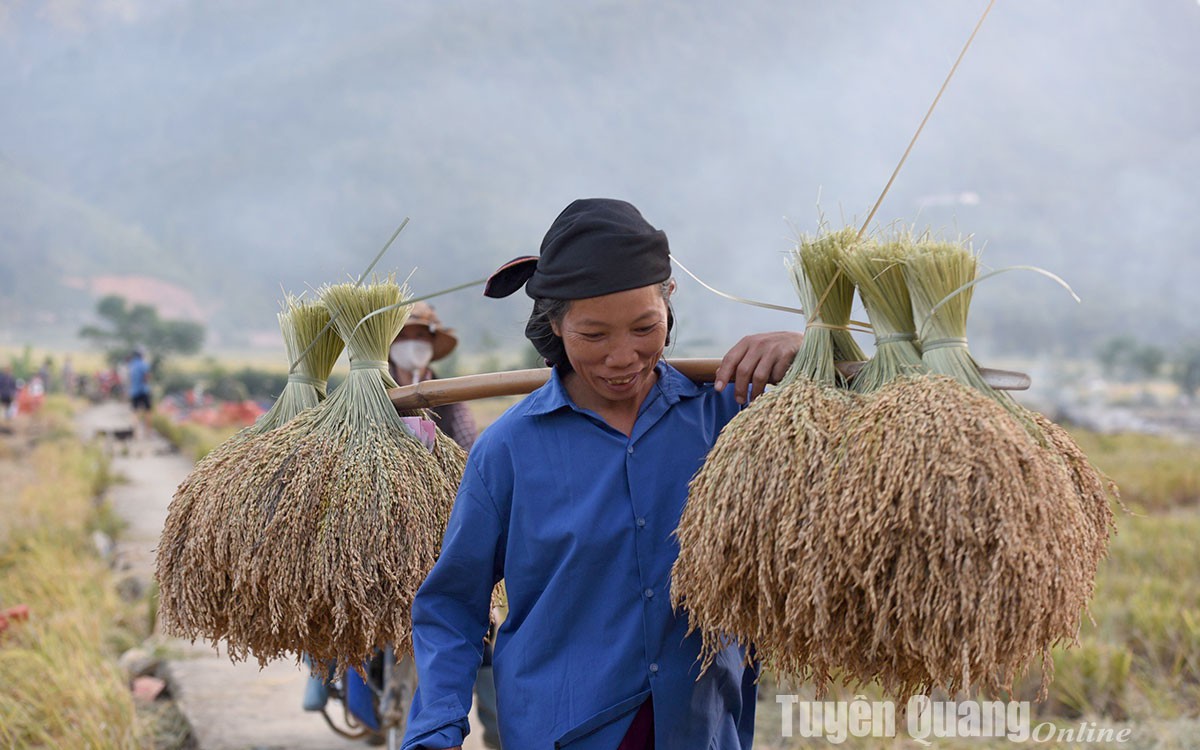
x: 556, y: 328
x: 671, y: 288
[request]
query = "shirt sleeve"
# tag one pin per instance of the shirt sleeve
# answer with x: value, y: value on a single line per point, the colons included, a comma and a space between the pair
x: 451, y: 616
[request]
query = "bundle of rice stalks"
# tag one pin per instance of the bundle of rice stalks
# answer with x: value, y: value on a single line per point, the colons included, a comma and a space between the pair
x: 1096, y: 491
x: 959, y: 551
x: 958, y: 548
x: 878, y: 272
x: 918, y: 536
x: 827, y: 296
x: 194, y: 558
x: 351, y: 511
x: 743, y: 534
x: 935, y: 270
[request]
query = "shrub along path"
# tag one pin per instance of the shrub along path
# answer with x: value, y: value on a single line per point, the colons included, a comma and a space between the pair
x: 229, y: 706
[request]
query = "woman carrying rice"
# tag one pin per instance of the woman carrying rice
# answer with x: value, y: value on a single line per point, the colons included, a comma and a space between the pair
x: 572, y: 497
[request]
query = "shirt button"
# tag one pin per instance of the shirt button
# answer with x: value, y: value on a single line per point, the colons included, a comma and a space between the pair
x: 654, y: 668
x: 630, y: 450
x: 641, y: 522
x: 649, y: 593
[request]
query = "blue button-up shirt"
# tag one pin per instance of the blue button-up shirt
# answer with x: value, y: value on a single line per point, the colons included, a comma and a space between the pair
x: 579, y: 521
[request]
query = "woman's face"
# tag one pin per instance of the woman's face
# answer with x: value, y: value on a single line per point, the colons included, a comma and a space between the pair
x: 614, y: 342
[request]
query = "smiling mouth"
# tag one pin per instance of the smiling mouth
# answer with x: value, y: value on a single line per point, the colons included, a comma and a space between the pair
x: 621, y: 381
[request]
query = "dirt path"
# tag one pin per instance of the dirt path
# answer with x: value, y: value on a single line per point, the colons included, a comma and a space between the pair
x: 229, y: 706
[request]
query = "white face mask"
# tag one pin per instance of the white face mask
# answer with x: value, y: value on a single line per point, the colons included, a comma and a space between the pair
x: 412, y: 355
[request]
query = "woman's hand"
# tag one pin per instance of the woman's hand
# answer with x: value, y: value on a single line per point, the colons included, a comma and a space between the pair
x: 756, y: 361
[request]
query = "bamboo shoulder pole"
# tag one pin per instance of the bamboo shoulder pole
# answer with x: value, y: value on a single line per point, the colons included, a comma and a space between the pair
x: 431, y: 393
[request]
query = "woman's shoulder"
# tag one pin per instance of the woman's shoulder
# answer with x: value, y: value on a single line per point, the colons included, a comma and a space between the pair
x: 509, y: 426
x: 699, y: 395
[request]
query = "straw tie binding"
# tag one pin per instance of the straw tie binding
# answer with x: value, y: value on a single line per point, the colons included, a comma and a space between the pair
x: 369, y: 364
x: 830, y: 326
x: 296, y: 377
x: 895, y: 338
x: 929, y: 346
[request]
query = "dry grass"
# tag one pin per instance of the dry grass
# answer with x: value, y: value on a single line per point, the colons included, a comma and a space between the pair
x: 61, y: 684
x: 1156, y: 473
x: 195, y: 441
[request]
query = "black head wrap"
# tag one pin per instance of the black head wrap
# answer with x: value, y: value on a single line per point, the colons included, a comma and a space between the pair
x: 596, y: 246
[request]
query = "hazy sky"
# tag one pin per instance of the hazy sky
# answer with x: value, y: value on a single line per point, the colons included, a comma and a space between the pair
x: 260, y: 144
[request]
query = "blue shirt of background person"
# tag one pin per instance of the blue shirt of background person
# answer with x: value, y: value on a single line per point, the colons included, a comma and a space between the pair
x: 573, y: 497
x: 139, y: 372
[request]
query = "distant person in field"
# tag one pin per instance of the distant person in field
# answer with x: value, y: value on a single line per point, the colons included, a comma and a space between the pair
x: 423, y: 341
x: 46, y: 374
x: 8, y: 391
x: 139, y: 389
x: 69, y: 382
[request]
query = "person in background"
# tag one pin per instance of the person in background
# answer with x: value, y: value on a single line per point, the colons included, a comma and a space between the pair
x: 422, y: 341
x: 139, y: 389
x: 8, y: 391
x: 69, y: 383
x: 46, y: 373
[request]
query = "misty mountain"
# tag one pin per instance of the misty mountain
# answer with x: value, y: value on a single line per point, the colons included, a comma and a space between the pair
x: 237, y: 147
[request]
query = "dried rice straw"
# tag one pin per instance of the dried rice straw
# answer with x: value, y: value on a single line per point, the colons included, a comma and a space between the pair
x: 741, y: 534
x: 878, y: 272
x: 353, y: 509
x: 919, y: 537
x: 827, y: 296
x: 942, y: 275
x: 958, y: 551
x: 193, y: 558
x: 936, y: 272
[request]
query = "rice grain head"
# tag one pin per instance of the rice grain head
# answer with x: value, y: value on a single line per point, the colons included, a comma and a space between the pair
x: 193, y: 560
x: 742, y: 528
x: 346, y: 513
x: 950, y: 554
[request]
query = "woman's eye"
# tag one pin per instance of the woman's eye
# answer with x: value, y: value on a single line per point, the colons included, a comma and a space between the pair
x: 644, y: 330
x: 592, y: 336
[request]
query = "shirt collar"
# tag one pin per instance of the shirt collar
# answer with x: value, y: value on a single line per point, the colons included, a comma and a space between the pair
x: 552, y: 396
